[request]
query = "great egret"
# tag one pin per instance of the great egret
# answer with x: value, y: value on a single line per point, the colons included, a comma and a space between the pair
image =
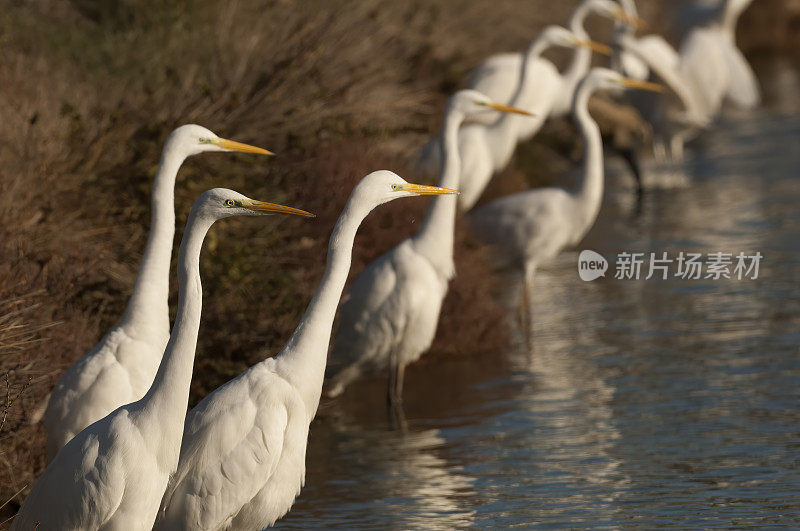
x: 499, y: 76
x: 390, y: 316
x: 242, y: 460
x: 531, y: 227
x: 488, y: 148
x: 720, y: 71
x: 707, y: 70
x: 121, y: 367
x: 113, y: 473
x: 674, y: 116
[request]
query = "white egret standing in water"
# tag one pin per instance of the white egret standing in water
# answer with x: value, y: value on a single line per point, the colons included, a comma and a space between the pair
x: 707, y: 70
x: 673, y: 116
x: 121, y: 367
x: 390, y: 316
x: 531, y: 227
x: 242, y: 460
x: 709, y: 54
x: 112, y: 474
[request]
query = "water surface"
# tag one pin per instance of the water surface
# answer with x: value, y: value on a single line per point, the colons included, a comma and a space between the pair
x: 669, y: 403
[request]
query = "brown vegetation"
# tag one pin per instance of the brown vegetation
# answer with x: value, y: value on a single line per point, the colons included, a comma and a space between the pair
x: 90, y: 90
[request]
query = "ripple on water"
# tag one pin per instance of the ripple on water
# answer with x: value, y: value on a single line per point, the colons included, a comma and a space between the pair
x: 660, y: 403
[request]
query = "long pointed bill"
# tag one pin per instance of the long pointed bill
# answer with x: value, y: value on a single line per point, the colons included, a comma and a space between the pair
x: 632, y: 20
x: 642, y: 85
x: 272, y: 208
x: 595, y: 46
x: 421, y: 189
x: 232, y: 145
x: 507, y: 108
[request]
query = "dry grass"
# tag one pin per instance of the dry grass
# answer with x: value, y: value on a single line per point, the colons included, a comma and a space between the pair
x: 337, y: 88
x: 20, y: 334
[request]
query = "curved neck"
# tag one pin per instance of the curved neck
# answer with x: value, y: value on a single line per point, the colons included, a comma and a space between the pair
x: 503, y: 133
x: 148, y: 306
x: 671, y: 77
x: 434, y: 240
x: 732, y: 10
x: 302, y: 360
x: 582, y: 58
x: 590, y: 193
x: 622, y: 33
x: 166, y: 401
x: 534, y: 52
x: 624, y: 28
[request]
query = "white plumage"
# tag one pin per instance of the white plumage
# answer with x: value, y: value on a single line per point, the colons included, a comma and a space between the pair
x: 673, y: 116
x: 242, y: 460
x: 390, y: 316
x: 120, y: 368
x: 499, y: 76
x: 710, y: 54
x: 487, y: 148
x: 531, y: 227
x: 527, y: 81
x: 112, y: 474
x: 707, y: 70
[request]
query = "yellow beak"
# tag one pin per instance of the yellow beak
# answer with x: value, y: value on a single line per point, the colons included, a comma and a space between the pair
x: 595, y: 46
x: 630, y: 19
x: 272, y: 208
x: 232, y: 145
x: 421, y: 189
x: 507, y: 108
x: 642, y: 85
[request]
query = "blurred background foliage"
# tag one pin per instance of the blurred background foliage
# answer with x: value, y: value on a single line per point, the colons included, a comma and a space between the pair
x: 89, y: 90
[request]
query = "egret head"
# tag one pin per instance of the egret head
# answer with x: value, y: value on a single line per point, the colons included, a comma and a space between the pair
x: 471, y: 104
x: 219, y: 203
x: 560, y: 36
x: 193, y: 139
x: 383, y: 186
x: 613, y: 10
x: 605, y: 79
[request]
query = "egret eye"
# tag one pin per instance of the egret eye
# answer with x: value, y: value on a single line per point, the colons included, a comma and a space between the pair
x: 204, y: 140
x: 230, y: 202
x: 395, y: 187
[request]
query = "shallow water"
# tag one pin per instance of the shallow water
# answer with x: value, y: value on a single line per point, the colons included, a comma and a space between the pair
x: 669, y: 403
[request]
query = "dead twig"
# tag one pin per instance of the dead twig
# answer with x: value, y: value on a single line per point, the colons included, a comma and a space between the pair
x: 9, y: 401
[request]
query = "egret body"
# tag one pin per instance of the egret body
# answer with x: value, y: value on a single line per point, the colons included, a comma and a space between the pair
x: 112, y: 474
x: 710, y: 56
x: 488, y: 148
x: 242, y: 460
x: 707, y: 70
x: 392, y: 310
x: 672, y: 116
x: 531, y: 227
